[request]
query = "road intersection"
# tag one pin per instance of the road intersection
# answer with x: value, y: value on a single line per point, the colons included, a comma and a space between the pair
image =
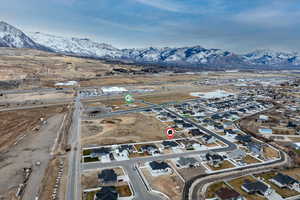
x: 140, y: 189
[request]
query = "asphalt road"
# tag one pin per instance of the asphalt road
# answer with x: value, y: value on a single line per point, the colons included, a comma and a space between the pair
x: 140, y: 189
x: 195, y: 194
x: 231, y: 146
x: 74, y: 184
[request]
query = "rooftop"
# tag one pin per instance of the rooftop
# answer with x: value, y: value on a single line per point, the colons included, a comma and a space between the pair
x: 227, y: 193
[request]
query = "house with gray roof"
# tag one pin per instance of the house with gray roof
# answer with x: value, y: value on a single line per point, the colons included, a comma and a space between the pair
x: 285, y: 181
x: 256, y: 187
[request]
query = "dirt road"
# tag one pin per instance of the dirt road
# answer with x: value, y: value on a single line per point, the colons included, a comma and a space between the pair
x: 32, y: 148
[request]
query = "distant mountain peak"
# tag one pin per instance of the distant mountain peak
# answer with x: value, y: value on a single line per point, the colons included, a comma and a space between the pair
x: 11, y: 36
x: 73, y: 45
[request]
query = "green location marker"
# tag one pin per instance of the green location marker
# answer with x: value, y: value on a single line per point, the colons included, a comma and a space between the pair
x: 129, y: 98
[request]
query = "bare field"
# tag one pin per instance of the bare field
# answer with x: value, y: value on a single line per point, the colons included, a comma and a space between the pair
x: 270, y: 153
x: 15, y: 124
x: 115, y: 104
x: 250, y: 160
x: 24, y: 63
x: 189, y: 173
x: 166, y: 97
x: 32, y: 148
x: 140, y: 79
x: 170, y: 185
x: 122, y: 129
x: 34, y: 96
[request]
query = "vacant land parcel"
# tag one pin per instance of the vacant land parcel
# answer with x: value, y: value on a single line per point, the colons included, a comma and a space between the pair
x: 130, y: 128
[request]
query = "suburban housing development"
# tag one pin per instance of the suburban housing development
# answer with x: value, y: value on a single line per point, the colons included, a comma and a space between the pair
x: 149, y: 100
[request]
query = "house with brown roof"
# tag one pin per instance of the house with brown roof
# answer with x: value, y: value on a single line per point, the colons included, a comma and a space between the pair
x: 226, y: 193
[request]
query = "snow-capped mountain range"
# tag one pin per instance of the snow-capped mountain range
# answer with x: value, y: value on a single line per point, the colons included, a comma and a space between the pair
x: 15, y: 38
x: 187, y: 56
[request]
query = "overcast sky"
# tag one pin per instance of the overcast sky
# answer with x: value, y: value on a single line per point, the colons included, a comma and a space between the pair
x: 236, y: 25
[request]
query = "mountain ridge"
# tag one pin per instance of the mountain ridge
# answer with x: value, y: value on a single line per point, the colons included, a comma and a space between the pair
x: 196, y: 56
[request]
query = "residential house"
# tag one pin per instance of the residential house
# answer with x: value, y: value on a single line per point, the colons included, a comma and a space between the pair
x: 151, y: 149
x: 256, y: 187
x: 107, y: 193
x: 285, y: 181
x: 216, y: 117
x: 230, y: 132
x: 123, y: 151
x: 183, y: 162
x: 228, y: 125
x: 242, y: 110
x: 196, y: 146
x: 126, y: 147
x: 121, y: 154
x: 196, y: 132
x: 208, y: 139
x: 255, y: 148
x: 237, y: 154
x: 226, y: 116
x: 102, y: 153
x: 296, y: 145
x: 244, y: 139
x: 158, y: 168
x: 218, y: 127
x: 188, y: 126
x: 214, y: 159
x: 107, y: 176
x: 179, y: 123
x: 226, y: 193
x: 170, y: 144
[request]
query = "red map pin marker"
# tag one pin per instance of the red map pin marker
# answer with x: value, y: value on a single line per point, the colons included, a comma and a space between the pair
x: 170, y: 132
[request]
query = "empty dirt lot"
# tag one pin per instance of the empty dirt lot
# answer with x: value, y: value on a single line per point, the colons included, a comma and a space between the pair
x: 34, y: 146
x: 15, y: 124
x: 130, y: 128
x: 169, y: 184
x: 115, y: 104
x: 35, y: 96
